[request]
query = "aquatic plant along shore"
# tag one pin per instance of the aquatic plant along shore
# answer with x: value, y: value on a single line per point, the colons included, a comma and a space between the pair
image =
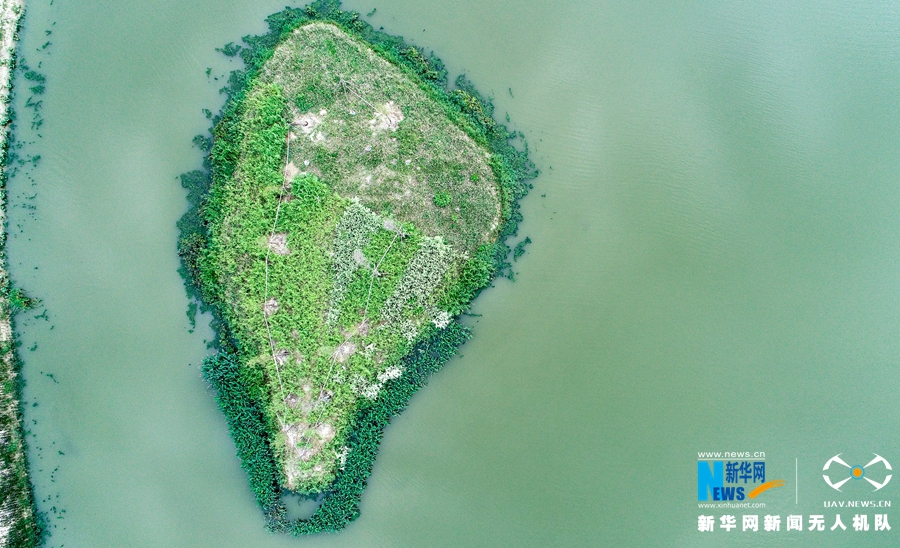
x: 351, y: 208
x: 19, y: 521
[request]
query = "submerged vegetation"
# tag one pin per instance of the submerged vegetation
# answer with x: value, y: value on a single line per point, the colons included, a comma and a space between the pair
x: 351, y: 208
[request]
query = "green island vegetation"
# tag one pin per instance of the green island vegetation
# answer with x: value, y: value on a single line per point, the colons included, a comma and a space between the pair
x: 351, y: 207
x: 21, y: 526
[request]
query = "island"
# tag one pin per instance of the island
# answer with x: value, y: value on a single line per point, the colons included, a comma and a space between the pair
x: 351, y: 208
x: 20, y: 524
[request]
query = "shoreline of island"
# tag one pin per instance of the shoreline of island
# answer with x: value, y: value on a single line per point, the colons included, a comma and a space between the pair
x: 20, y: 523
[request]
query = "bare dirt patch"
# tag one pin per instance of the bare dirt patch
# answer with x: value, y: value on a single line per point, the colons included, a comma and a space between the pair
x: 344, y: 351
x: 308, y: 122
x: 292, y: 400
x: 290, y: 171
x: 391, y: 225
x: 359, y: 258
x: 270, y: 307
x: 363, y: 329
x: 387, y: 117
x: 325, y: 431
x: 282, y: 356
x: 278, y: 244
x: 301, y: 441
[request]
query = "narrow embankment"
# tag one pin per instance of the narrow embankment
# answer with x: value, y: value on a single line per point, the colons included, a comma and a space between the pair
x: 19, y: 525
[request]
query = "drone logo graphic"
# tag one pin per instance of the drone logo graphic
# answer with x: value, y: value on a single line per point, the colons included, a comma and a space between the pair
x: 857, y: 472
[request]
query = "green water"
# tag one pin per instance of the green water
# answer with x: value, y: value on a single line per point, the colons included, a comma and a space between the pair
x: 715, y: 267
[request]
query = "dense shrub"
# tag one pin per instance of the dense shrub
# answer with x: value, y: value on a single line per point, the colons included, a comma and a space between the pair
x: 247, y: 425
x: 442, y: 199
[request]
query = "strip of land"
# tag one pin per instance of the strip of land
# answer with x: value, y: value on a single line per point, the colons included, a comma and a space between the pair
x: 18, y: 520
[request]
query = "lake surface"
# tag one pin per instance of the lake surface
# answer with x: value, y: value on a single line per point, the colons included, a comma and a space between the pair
x: 715, y: 267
